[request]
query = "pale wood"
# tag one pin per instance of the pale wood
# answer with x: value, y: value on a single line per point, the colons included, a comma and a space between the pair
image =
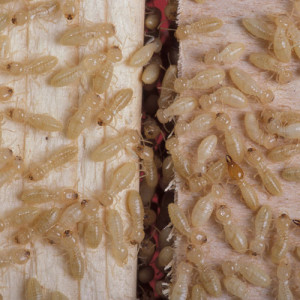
x: 286, y: 96
x: 103, y: 278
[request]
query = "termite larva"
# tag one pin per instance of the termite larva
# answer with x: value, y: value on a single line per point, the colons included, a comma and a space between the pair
x: 259, y: 28
x: 236, y: 287
x: 228, y: 55
x: 69, y: 9
x: 262, y: 225
x: 58, y: 296
x: 93, y: 231
x: 225, y: 95
x: 33, y: 289
x: 83, y: 116
x: 283, y: 152
x: 248, y: 193
x: 198, y: 292
x: 268, y: 63
x: 38, y: 121
x: 114, y: 226
x: 204, y: 206
x: 150, y: 129
x: 19, y: 256
x: 4, y: 46
x: 234, y: 142
x: 6, y: 93
x: 291, y: 174
x: 271, y: 183
x: 136, y: 212
x: 120, y: 180
x: 82, y: 34
x: 12, y: 169
x: 233, y: 234
x: 180, y: 289
x: 256, y: 134
x: 284, y: 116
x: 203, y: 80
x: 119, y: 101
x: 180, y: 106
x: 284, y: 271
x: 249, y: 86
x: 180, y: 222
x: 203, y: 25
x: 205, y: 149
x: 289, y: 131
x: 281, y: 243
x: 55, y: 160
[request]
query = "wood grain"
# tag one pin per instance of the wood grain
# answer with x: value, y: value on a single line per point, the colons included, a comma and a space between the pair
x: 103, y: 278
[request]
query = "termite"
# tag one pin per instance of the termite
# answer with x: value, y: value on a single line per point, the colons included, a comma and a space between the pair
x: 4, y: 20
x: 281, y: 243
x: 4, y: 46
x: 198, y: 292
x: 103, y: 76
x: 204, y: 206
x: 57, y: 159
x: 234, y: 142
x: 208, y: 277
x: 256, y: 134
x: 83, y: 116
x: 152, y: 18
x: 203, y: 25
x: 249, y: 86
x: 167, y: 172
x: 248, y: 193
x: 114, y: 226
x: 268, y: 63
x: 259, y: 28
x: 225, y: 95
x: 270, y: 181
x: 262, y: 225
x: 19, y: 256
x: 230, y: 54
x: 33, y: 289
x: 291, y: 174
x: 58, y: 296
x: 119, y: 101
x: 203, y: 80
x: 180, y: 106
x: 150, y: 129
x: 284, y: 271
x: 289, y: 131
x: 200, y: 123
x: 12, y: 169
x: 82, y: 34
x: 283, y: 152
x: 165, y: 257
x: 69, y: 9
x: 136, y: 212
x: 284, y: 116
x: 151, y: 72
x: 120, y: 180
x: 143, y: 55
x: 93, y: 231
x: 205, y: 150
x: 6, y: 157
x: 236, y: 287
x: 180, y: 289
x: 233, y: 234
x: 6, y: 93
x: 180, y: 222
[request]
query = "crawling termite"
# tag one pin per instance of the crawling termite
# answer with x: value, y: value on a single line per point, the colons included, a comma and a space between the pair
x: 284, y: 116
x: 19, y: 256
x: 259, y: 28
x: 33, y: 289
x: 205, y: 150
x: 291, y: 174
x: 289, y: 131
x: 6, y: 93
x: 284, y: 271
x: 283, y: 152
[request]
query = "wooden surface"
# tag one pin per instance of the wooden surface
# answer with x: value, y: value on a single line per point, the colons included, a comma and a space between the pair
x: 286, y: 97
x: 103, y: 278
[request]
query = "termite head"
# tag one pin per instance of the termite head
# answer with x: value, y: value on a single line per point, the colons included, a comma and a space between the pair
x: 284, y: 270
x: 134, y: 136
x: 273, y: 125
x: 114, y: 54
x: 267, y: 96
x: 222, y: 121
x: 23, y: 236
x: 162, y: 118
x: 217, y: 191
x: 144, y: 152
x: 16, y: 114
x: 266, y: 114
x: 172, y: 143
x: 229, y: 268
x: 90, y: 207
x: 106, y: 199
x: 20, y: 18
x: 285, y: 76
x: 194, y: 255
x: 69, y: 194
x: 104, y: 118
x: 182, y: 32
x: 21, y: 256
x: 223, y: 214
x: 180, y: 84
x: 254, y: 156
x: 234, y: 170
x: 137, y: 236
x: 205, y: 102
x: 198, y: 237
x: 14, y: 68
x: 256, y: 247
x: 283, y: 221
x: 211, y: 57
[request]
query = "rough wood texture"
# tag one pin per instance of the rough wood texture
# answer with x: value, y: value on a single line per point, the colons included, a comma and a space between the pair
x: 286, y: 97
x: 103, y: 278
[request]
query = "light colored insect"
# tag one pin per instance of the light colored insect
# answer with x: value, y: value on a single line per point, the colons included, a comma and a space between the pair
x: 115, y: 105
x: 4, y: 20
x: 11, y: 170
x: 230, y: 54
x: 6, y: 157
x: 103, y: 76
x: 284, y: 116
x: 33, y: 289
x: 268, y: 63
x: 180, y: 106
x: 233, y: 234
x: 58, y: 296
x: 203, y: 80
x: 204, y: 206
x: 143, y: 55
x: 136, y: 211
x: 180, y: 222
x: 289, y: 131
x: 262, y: 225
x: 236, y: 287
x: 19, y: 256
x: 93, y: 231
x: 249, y: 86
x: 225, y: 95
x: 114, y: 226
x: 81, y: 35
x: 150, y: 129
x: 57, y: 159
x: 69, y: 9
x: 4, y: 46
x: 248, y: 193
x: 256, y: 134
x: 120, y: 180
x: 291, y: 174
x: 284, y: 272
x: 283, y: 152
x: 198, y: 292
x: 208, y: 277
x: 205, y: 150
x: 233, y: 140
x: 151, y: 73
x: 83, y: 116
x: 152, y: 18
x: 203, y: 25
x: 270, y: 181
x: 114, y: 145
x: 259, y: 28
x: 200, y: 123
x: 38, y: 121
x: 6, y: 93
x: 281, y: 243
